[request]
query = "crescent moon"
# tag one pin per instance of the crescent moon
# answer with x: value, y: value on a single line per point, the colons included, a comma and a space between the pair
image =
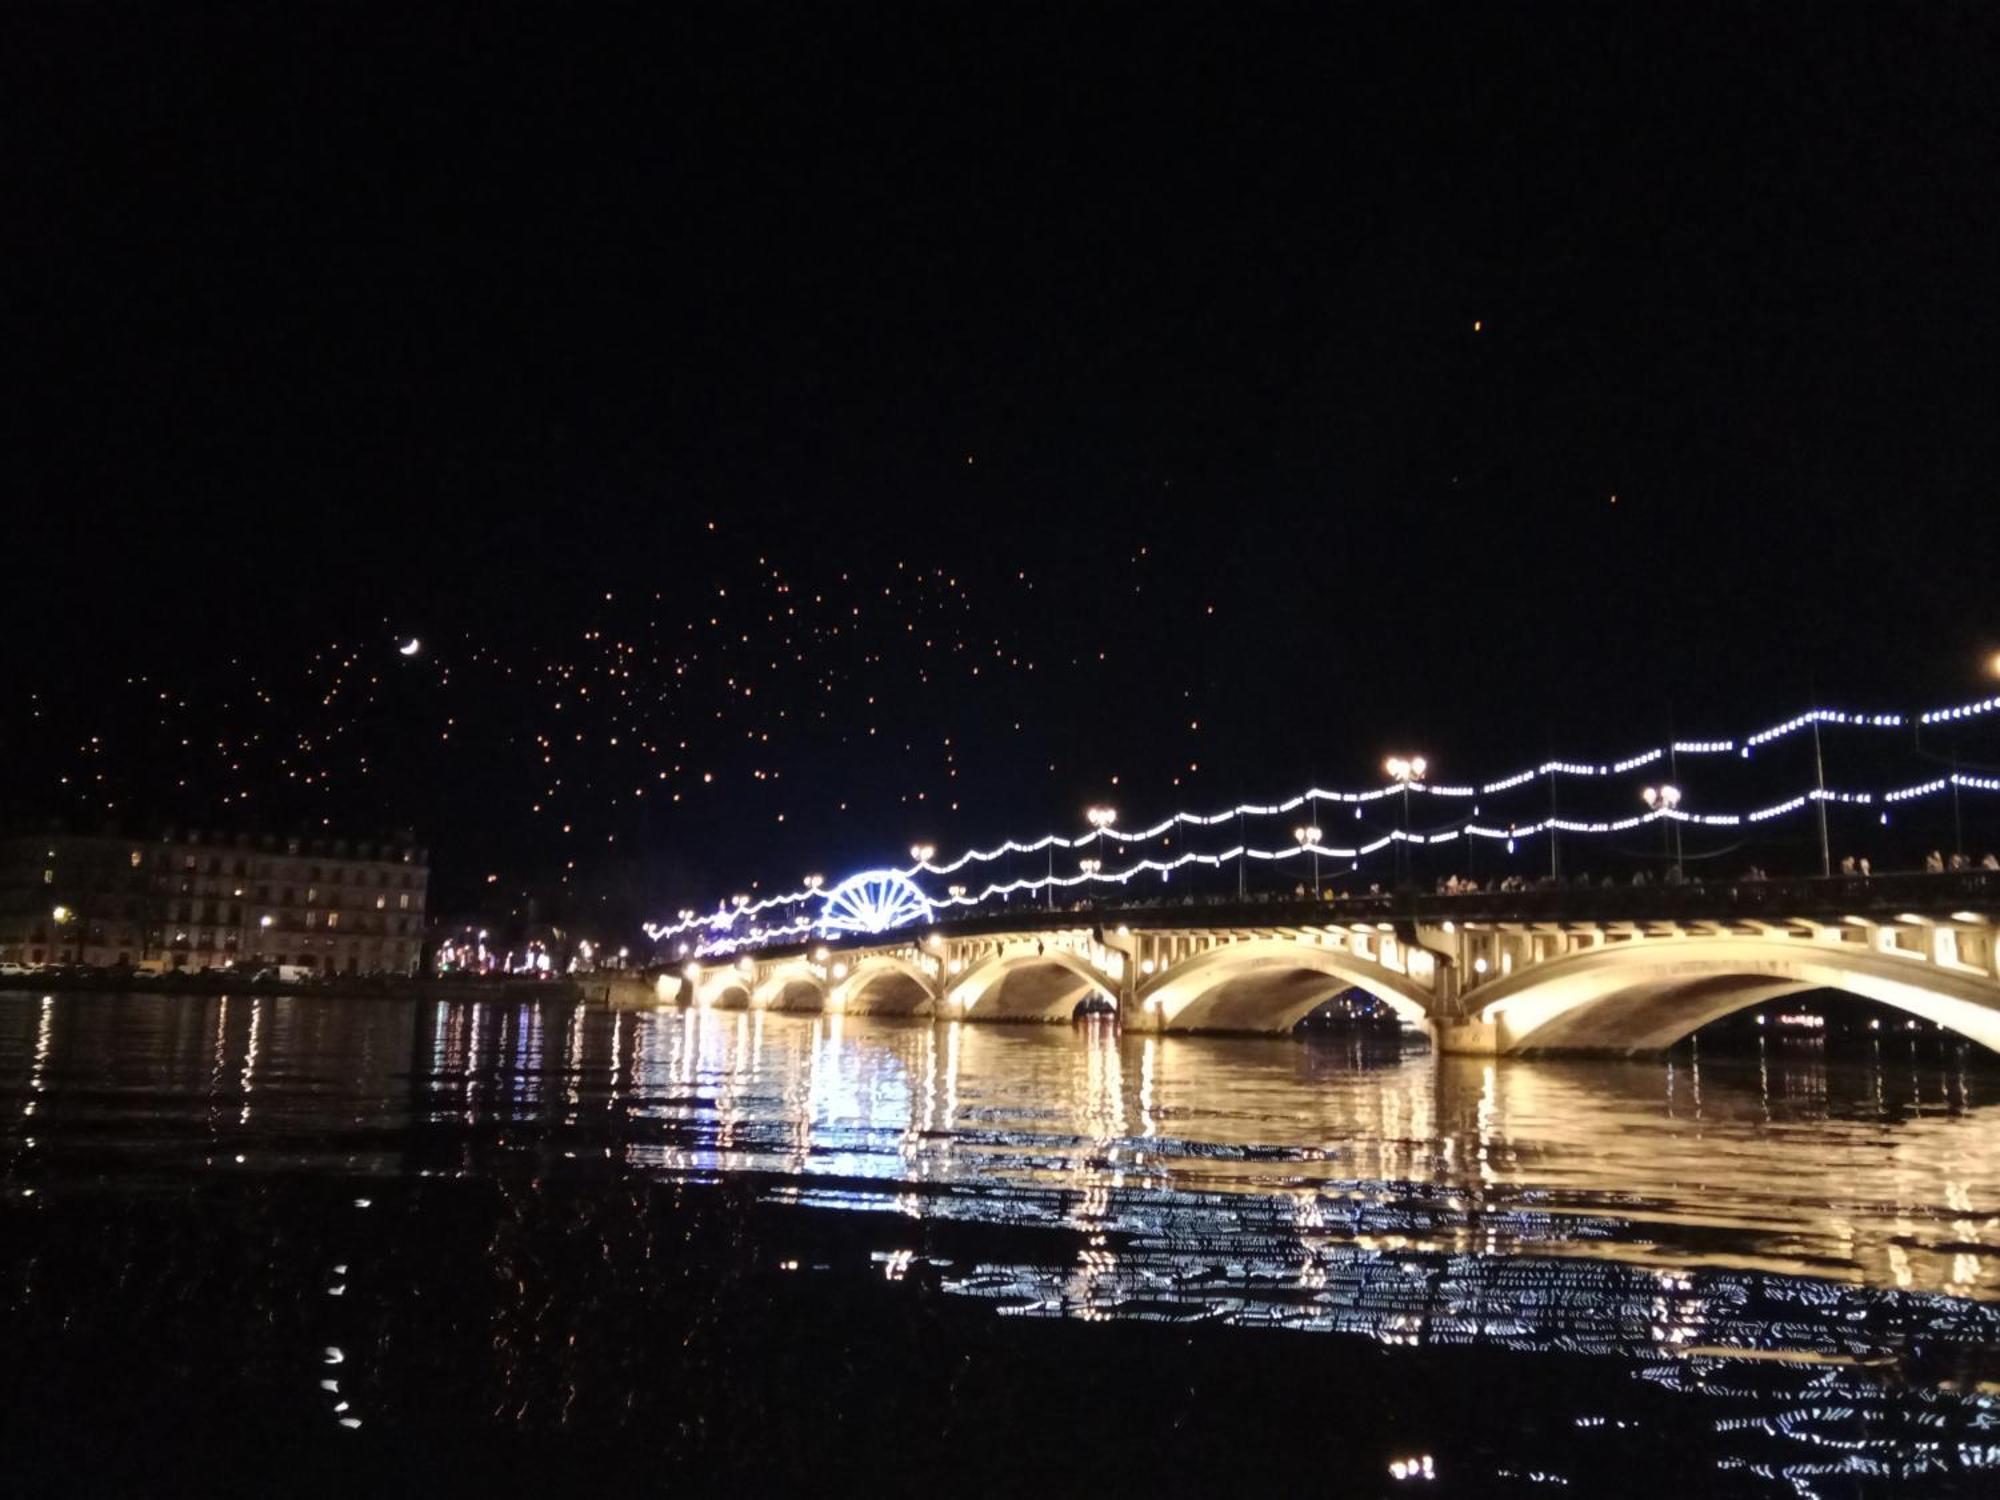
x: 409, y: 647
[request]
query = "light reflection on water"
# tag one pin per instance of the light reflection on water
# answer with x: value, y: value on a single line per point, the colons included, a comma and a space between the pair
x: 1658, y: 1214
x: 1883, y: 1174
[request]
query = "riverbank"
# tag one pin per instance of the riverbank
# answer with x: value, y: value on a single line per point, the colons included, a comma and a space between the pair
x: 592, y: 990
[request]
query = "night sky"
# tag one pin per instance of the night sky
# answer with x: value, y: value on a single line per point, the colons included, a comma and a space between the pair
x: 795, y: 430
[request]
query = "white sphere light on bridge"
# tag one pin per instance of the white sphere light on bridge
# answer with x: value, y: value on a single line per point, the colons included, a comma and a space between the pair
x: 1409, y: 782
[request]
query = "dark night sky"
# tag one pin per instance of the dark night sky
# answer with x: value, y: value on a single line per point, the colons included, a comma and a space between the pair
x: 338, y: 322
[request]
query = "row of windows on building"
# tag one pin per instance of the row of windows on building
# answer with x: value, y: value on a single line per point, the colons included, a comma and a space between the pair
x: 233, y: 919
x: 262, y: 870
x: 388, y: 852
x: 194, y: 910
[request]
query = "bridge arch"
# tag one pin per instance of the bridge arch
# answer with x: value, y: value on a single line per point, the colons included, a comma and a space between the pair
x: 883, y: 984
x: 796, y: 988
x: 1045, y: 986
x: 723, y: 989
x: 1647, y: 994
x: 1271, y: 984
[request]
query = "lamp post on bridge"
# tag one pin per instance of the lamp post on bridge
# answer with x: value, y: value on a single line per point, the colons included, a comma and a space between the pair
x: 1100, y: 817
x: 1665, y: 800
x: 1991, y: 666
x: 1405, y: 770
x: 1819, y: 798
x: 1309, y: 836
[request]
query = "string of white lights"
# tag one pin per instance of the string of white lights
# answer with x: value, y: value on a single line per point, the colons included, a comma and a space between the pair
x: 1961, y: 711
x: 725, y: 918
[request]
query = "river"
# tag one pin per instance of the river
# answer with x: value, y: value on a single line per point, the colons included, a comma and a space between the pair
x: 298, y: 1242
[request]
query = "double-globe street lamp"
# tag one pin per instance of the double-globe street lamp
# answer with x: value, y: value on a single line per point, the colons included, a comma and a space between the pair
x: 1100, y: 818
x: 1406, y: 771
x: 1309, y: 835
x: 1665, y: 800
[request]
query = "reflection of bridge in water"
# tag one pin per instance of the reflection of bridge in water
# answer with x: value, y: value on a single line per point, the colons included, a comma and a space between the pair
x: 1627, y: 970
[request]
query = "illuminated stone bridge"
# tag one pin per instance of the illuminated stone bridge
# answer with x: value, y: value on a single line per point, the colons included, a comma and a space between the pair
x: 1624, y: 970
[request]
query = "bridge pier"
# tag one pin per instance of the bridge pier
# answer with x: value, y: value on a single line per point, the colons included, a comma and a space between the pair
x: 1466, y: 1038
x: 1135, y: 1015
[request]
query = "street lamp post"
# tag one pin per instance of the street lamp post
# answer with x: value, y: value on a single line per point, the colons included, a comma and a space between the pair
x: 1991, y: 667
x: 1406, y: 771
x: 1100, y: 817
x: 1308, y: 836
x: 1090, y: 866
x: 1819, y: 800
x: 1664, y: 800
x: 1555, y: 833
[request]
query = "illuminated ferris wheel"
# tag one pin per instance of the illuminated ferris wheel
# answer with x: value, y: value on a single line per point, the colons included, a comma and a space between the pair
x: 876, y: 901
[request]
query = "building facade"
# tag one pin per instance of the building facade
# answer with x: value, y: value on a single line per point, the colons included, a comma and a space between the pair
x: 193, y: 900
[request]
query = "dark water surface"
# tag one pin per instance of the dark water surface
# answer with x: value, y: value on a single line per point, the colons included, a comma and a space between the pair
x: 276, y: 1245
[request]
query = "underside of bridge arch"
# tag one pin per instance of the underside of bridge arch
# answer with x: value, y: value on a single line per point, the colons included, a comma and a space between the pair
x: 1042, y: 988
x: 1271, y: 988
x: 883, y: 990
x: 730, y: 994
x: 792, y: 992
x: 1642, y: 997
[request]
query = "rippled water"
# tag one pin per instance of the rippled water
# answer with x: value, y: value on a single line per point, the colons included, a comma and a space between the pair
x: 455, y: 1223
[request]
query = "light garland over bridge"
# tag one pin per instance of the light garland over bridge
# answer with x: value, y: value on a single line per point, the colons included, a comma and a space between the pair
x: 740, y: 923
